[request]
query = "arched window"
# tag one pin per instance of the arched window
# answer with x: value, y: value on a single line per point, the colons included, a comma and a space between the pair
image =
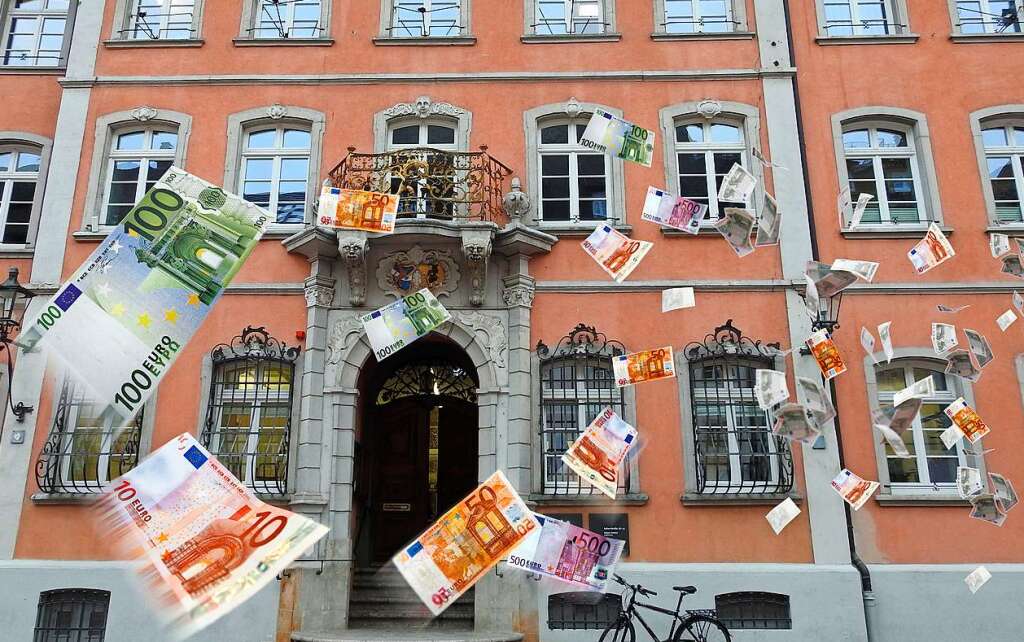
x: 19, y: 191
x: 249, y: 412
x: 705, y: 152
x: 573, y: 179
x: 72, y: 615
x: 138, y: 157
x: 881, y: 160
x: 1003, y: 141
x: 275, y: 170
x: 577, y: 382
x: 438, y: 133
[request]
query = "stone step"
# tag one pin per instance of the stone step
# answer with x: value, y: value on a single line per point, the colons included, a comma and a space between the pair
x: 407, y: 611
x: 404, y: 635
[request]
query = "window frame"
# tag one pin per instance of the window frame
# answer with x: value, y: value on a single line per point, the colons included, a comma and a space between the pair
x: 919, y: 493
x: 44, y: 147
x: 107, y: 128
x: 85, y: 597
x: 6, y: 10
x: 276, y: 155
x: 916, y: 125
x: 250, y: 19
x: 899, y: 21
x: 121, y: 26
x: 387, y: 14
x: 240, y: 123
x: 572, y: 151
x: 531, y: 22
x: 876, y: 155
x: 980, y: 120
x: 959, y: 35
x: 533, y: 120
x: 438, y: 113
x: 736, y: 8
x: 748, y: 117
x: 144, y: 156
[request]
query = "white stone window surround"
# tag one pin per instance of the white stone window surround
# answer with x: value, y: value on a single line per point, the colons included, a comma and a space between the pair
x: 42, y: 146
x: 396, y: 13
x: 424, y: 111
x: 669, y: 24
x: 978, y: 20
x: 55, y: 10
x: 996, y: 116
x: 892, y: 28
x: 123, y: 32
x: 539, y: 26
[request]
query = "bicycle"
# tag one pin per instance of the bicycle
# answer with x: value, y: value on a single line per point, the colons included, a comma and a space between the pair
x: 698, y: 625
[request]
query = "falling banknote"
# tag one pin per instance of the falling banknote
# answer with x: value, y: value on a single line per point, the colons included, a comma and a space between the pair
x: 795, y: 423
x: 616, y: 253
x: 608, y: 133
x: 977, y: 578
x: 466, y: 542
x: 737, y: 186
x: 930, y: 251
x: 353, y: 209
x: 398, y: 324
x: 735, y: 226
x: 595, y: 456
x: 124, y: 316
x: 673, y: 211
x: 853, y: 489
x: 780, y: 516
x: 1003, y: 492
x: 943, y: 338
x: 770, y: 388
x: 207, y: 542
x: 966, y: 420
x: 825, y: 352
x: 968, y: 481
x: 649, y: 365
x: 568, y: 553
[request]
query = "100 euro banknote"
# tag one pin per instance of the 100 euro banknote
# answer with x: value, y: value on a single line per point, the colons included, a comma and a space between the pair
x: 649, y: 365
x: 398, y: 324
x: 465, y: 543
x: 595, y: 456
x: 207, y: 543
x: 124, y: 316
x: 608, y: 133
x: 616, y: 253
x: 353, y: 209
x: 568, y: 553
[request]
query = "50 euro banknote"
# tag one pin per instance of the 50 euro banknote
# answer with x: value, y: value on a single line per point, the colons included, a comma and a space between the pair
x: 595, y: 456
x: 649, y: 365
x: 206, y: 542
x: 566, y: 552
x: 123, y: 317
x: 616, y: 253
x: 465, y: 543
x: 607, y: 133
x: 353, y: 209
x: 398, y: 324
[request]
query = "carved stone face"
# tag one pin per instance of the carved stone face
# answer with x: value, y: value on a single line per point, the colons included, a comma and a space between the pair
x: 353, y: 251
x: 476, y: 252
x: 423, y: 106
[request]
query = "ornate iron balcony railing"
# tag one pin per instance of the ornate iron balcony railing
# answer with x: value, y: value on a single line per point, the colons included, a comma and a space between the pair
x: 430, y: 183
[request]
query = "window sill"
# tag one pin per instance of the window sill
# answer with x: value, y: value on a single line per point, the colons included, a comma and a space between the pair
x: 966, y: 38
x: 901, y: 232
x: 629, y: 499
x: 1008, y: 229
x: 65, y: 499
x: 16, y: 252
x: 283, y: 42
x: 272, y: 234
x: 533, y: 39
x: 898, y: 39
x: 703, y: 231
x: 451, y: 41
x: 22, y: 71
x: 734, y: 499
x: 128, y: 43
x: 728, y: 35
x: 936, y: 499
x: 578, y: 230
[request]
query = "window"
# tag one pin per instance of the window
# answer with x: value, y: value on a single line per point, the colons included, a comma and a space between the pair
x: 754, y: 610
x: 732, y: 443
x: 573, y: 179
x: 881, y: 161
x: 249, y: 413
x: 705, y: 152
x: 932, y: 467
x: 1003, y: 142
x: 34, y: 33
x: 577, y: 383
x: 557, y: 19
x: 421, y: 133
x: 425, y: 18
x: 85, y: 450
x: 988, y: 16
x: 138, y: 159
x: 72, y: 615
x: 19, y: 180
x: 697, y: 16
x: 286, y: 19
x: 275, y: 171
x: 845, y: 18
x: 160, y: 20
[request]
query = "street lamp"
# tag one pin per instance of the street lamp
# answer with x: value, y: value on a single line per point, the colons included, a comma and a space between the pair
x: 14, y: 300
x: 828, y: 314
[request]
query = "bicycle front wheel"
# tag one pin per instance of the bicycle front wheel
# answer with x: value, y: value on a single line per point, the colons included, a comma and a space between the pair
x: 702, y: 628
x: 620, y: 631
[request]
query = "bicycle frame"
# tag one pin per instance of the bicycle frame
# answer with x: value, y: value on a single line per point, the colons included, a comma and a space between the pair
x: 631, y: 613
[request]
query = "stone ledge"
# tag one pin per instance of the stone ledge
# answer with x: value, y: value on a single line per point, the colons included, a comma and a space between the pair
x: 629, y: 499
x: 920, y: 500
x: 385, y: 635
x: 712, y: 499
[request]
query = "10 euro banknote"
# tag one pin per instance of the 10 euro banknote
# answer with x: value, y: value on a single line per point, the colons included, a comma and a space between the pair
x: 595, y: 456
x: 616, y: 253
x: 124, y: 316
x: 208, y: 544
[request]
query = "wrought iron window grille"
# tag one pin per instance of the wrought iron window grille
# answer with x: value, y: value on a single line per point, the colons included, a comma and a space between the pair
x: 417, y: 20
x: 430, y: 183
x: 754, y: 610
x: 577, y: 382
x: 82, y: 453
x: 1004, y: 20
x: 248, y: 421
x: 735, y: 451
x: 278, y: 22
x: 72, y: 615
x: 428, y: 379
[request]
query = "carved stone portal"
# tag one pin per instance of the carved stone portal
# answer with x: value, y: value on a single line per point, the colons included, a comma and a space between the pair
x: 402, y: 273
x: 353, y: 248
x: 476, y: 248
x: 490, y: 333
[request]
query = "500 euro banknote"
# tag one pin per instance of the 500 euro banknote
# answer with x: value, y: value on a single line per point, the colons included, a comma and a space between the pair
x: 207, y: 543
x: 353, y: 209
x: 595, y: 456
x: 123, y: 317
x: 466, y: 542
x: 568, y: 553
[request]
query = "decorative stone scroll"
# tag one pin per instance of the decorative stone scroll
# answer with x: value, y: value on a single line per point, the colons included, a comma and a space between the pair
x: 490, y: 333
x: 709, y: 108
x: 144, y: 113
x: 424, y: 107
x: 277, y: 111
x: 344, y: 335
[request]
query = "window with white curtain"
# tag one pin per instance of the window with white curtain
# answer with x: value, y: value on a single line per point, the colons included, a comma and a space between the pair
x: 19, y: 179
x: 33, y: 33
x: 705, y: 152
x: 1004, y: 158
x: 161, y: 20
x: 698, y: 16
x: 881, y: 160
x: 562, y: 17
x: 989, y: 16
x: 425, y: 18
x: 137, y: 158
x: 573, y: 179
x: 275, y: 170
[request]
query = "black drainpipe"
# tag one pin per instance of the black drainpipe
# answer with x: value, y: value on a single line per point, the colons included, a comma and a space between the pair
x: 858, y: 563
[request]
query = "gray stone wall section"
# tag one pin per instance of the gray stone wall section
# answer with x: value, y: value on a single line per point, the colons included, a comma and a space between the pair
x: 519, y: 425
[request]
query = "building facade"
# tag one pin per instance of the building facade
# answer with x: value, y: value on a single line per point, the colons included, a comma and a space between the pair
x: 473, y: 110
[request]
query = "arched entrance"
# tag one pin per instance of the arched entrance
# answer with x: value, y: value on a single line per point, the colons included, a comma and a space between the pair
x: 419, y: 441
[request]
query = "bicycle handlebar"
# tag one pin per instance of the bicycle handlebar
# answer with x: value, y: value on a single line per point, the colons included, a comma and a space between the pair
x: 639, y: 589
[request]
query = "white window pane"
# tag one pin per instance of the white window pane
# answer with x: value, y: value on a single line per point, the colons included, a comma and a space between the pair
x: 692, y: 133
x: 5, y: 160
x: 27, y: 162
x: 296, y: 139
x: 259, y: 168
x: 725, y: 134
x: 408, y: 135
x: 890, y: 138
x: 131, y: 141
x: 856, y: 139
x: 995, y: 137
x: 165, y: 140
x: 554, y: 135
x: 294, y: 169
x: 262, y: 139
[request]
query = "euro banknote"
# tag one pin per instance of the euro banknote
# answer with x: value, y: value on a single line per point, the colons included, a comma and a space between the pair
x: 825, y: 352
x: 863, y: 269
x: 943, y: 338
x: 867, y: 341
x: 854, y: 490
x: 595, y: 456
x: 966, y: 420
x: 673, y: 211
x: 206, y: 542
x: 780, y: 516
x: 920, y: 389
x: 885, y: 335
x: 1005, y: 320
x: 770, y: 388
x: 649, y: 365
x: 769, y: 221
x: 894, y: 440
x: 985, y: 508
x: 609, y: 134
x: 466, y: 542
x: 815, y: 399
x: 934, y: 249
x: 737, y: 186
x: 979, y: 346
x: 616, y: 253
x: 968, y: 481
x: 735, y: 225
x: 795, y: 423
x: 353, y: 209
x: 125, y: 315
x: 566, y: 552
x: 961, y: 364
x: 1003, y: 491
x: 676, y: 298
x: 977, y: 578
x: 998, y: 244
x: 398, y: 324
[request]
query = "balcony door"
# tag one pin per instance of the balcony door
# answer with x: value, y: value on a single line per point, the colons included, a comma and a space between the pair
x: 427, y: 169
